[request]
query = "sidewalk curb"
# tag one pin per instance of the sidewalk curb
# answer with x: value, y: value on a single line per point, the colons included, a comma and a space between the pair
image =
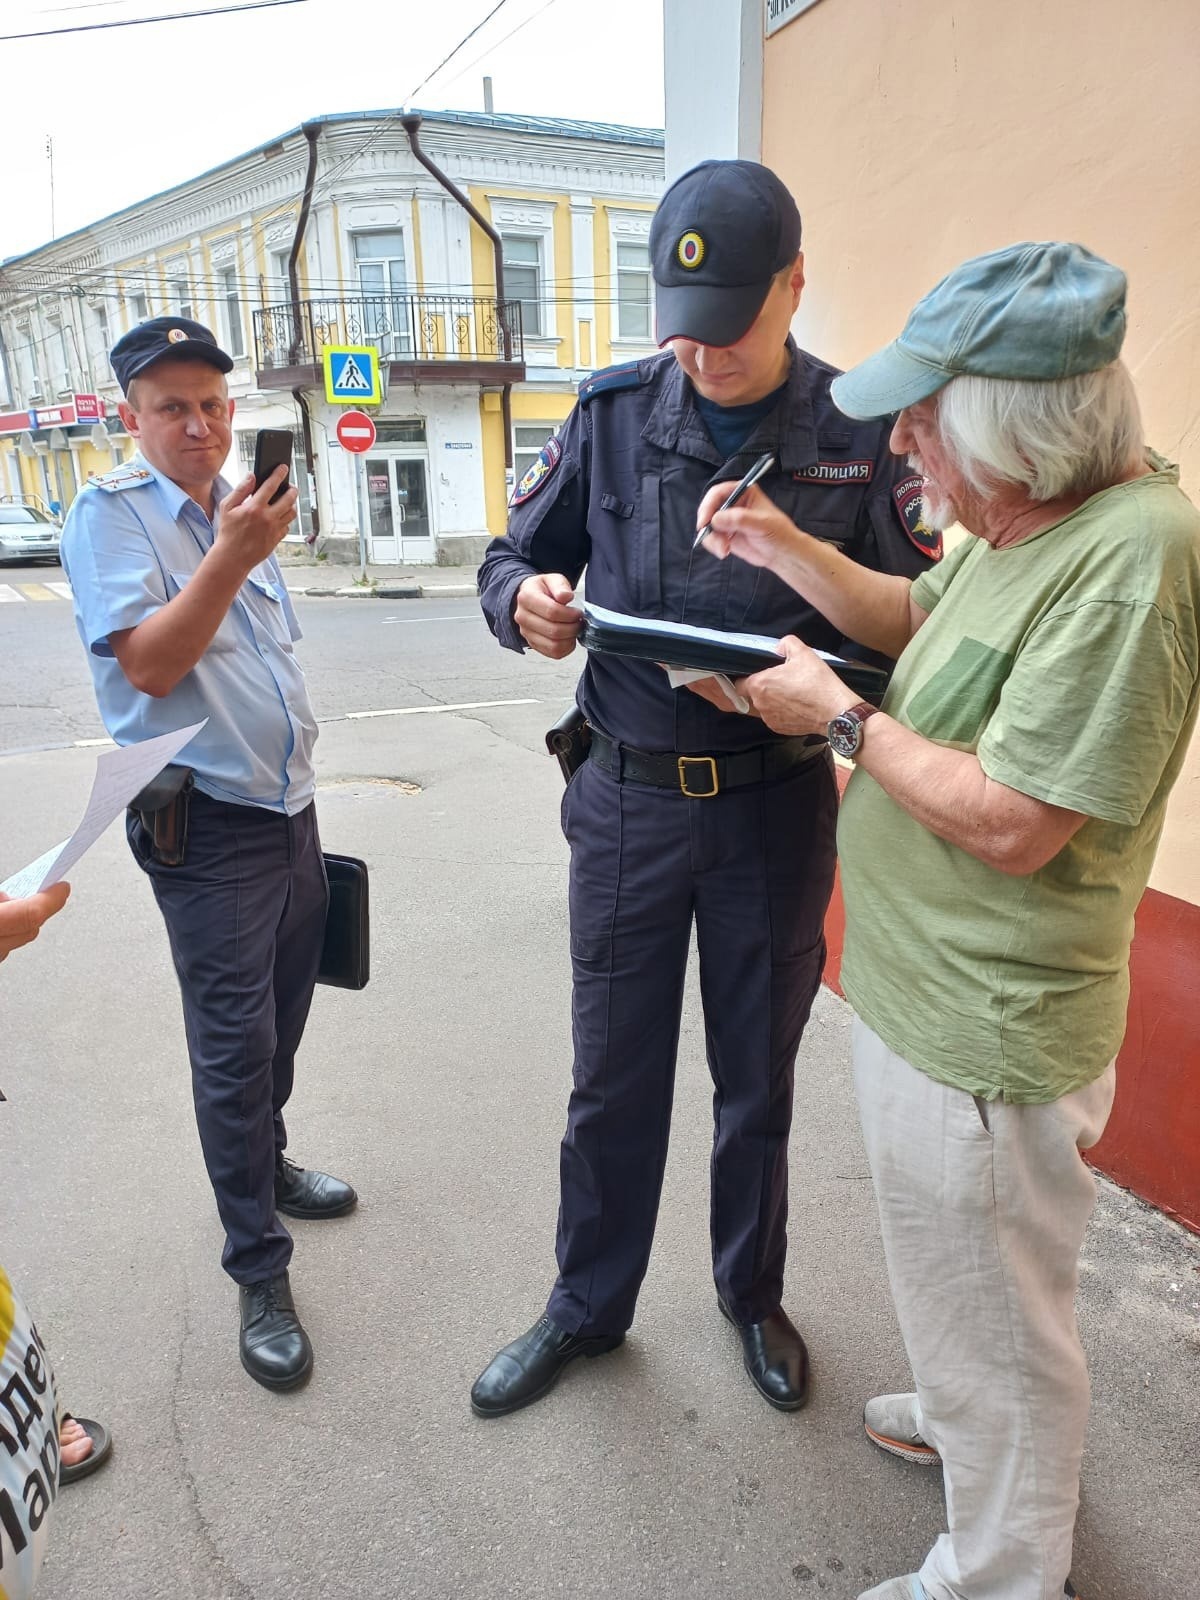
x: 393, y: 591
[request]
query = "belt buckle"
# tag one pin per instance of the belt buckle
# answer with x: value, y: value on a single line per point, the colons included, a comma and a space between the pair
x: 698, y: 794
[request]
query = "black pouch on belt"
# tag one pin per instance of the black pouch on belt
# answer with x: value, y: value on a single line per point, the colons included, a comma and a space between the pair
x: 568, y: 741
x: 163, y: 808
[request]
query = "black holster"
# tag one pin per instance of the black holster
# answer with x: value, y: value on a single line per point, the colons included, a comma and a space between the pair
x: 162, y: 807
x: 569, y: 741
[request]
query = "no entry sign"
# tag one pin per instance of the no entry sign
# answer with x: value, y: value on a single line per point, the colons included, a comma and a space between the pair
x: 355, y: 432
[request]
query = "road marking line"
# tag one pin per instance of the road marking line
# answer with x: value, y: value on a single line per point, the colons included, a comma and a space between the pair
x: 63, y: 590
x: 350, y: 716
x: 36, y: 591
x: 8, y: 593
x: 416, y: 711
x: 467, y: 616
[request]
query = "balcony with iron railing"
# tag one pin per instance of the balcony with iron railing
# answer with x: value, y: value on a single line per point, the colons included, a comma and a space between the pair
x: 424, y: 338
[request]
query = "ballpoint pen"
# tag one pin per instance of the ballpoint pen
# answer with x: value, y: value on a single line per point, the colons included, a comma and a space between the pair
x: 759, y: 470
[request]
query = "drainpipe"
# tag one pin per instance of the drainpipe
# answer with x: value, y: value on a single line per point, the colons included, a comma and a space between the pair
x: 311, y: 131
x: 410, y: 123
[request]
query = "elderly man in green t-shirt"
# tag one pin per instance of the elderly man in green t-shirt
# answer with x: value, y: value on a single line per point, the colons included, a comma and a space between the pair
x: 996, y: 837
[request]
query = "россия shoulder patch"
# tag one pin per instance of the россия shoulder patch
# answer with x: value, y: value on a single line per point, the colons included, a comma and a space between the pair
x: 906, y: 497
x: 538, y: 474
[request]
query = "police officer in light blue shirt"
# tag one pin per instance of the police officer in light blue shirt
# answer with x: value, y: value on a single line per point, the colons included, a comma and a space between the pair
x: 182, y: 609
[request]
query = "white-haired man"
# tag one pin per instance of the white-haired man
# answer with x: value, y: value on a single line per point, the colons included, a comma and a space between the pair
x: 1002, y: 820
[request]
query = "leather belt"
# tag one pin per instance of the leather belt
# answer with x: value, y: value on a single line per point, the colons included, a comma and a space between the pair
x: 700, y: 776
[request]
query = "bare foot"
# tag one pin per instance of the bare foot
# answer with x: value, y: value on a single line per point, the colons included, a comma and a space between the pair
x: 73, y: 1443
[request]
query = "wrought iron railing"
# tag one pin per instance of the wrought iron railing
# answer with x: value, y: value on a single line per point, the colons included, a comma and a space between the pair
x: 411, y: 327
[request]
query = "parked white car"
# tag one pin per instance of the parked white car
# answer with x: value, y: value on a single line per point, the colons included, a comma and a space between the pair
x: 28, y: 534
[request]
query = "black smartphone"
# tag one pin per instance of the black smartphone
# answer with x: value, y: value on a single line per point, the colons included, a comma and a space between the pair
x: 272, y: 448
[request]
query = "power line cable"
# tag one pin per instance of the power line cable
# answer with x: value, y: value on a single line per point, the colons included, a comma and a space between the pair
x: 137, y: 22
x: 475, y: 60
x: 411, y: 96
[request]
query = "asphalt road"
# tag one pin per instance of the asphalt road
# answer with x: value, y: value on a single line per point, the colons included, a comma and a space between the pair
x: 653, y: 1474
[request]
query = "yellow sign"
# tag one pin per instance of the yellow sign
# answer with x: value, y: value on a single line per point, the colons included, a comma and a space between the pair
x: 352, y: 375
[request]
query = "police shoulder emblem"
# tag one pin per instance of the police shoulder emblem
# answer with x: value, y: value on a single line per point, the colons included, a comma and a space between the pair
x: 119, y: 478
x: 175, y: 335
x: 691, y: 251
x: 906, y: 497
x: 539, y: 472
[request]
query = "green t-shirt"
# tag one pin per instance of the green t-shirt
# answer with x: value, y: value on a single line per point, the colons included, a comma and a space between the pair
x: 1069, y: 663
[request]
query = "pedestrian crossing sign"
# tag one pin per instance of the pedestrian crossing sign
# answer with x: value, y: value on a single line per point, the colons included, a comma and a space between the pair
x: 352, y: 375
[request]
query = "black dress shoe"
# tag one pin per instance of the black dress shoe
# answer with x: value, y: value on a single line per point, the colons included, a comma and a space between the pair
x: 274, y: 1347
x: 310, y: 1195
x: 775, y: 1357
x: 525, y: 1369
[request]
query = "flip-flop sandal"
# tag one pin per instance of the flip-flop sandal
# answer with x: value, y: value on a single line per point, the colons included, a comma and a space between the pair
x: 101, y: 1450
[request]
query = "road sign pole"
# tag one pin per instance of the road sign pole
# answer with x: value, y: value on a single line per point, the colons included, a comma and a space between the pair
x: 356, y: 434
x: 360, y: 469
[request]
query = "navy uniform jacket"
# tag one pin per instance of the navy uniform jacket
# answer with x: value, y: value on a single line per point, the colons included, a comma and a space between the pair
x: 617, y: 490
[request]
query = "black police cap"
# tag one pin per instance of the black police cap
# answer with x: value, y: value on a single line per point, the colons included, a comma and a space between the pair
x: 720, y: 234
x: 160, y: 338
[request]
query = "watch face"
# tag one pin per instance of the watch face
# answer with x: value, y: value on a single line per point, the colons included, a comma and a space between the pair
x: 845, y: 735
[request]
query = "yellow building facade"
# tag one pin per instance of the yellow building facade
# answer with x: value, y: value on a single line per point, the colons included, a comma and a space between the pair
x: 386, y: 256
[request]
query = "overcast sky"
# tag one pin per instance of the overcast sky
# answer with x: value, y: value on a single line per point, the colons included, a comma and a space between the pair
x: 134, y: 110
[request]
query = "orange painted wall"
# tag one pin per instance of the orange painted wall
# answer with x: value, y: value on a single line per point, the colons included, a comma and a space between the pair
x: 916, y: 133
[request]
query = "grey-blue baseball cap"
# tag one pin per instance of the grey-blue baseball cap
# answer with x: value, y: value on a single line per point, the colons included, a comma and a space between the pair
x: 1030, y: 311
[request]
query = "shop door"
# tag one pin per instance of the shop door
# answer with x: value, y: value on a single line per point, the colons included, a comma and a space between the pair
x: 401, y: 527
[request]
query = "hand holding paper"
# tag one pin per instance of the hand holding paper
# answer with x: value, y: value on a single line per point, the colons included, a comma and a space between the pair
x: 120, y: 774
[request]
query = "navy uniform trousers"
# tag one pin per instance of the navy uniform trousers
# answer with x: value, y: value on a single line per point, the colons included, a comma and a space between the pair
x: 754, y: 868
x: 245, y: 914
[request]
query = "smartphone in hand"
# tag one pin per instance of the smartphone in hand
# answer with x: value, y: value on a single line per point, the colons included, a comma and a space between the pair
x: 272, y: 448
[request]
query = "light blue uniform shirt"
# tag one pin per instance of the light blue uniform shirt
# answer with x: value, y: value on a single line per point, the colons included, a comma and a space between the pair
x: 132, y: 540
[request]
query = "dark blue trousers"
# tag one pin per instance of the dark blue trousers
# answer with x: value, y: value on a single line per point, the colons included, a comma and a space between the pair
x: 245, y: 915
x: 754, y: 868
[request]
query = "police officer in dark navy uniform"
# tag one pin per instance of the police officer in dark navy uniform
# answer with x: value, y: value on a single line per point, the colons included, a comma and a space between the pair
x: 686, y: 811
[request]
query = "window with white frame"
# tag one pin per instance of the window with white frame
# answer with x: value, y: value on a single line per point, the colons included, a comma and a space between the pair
x: 57, y: 357
x: 139, y: 306
x: 231, y: 301
x: 181, y: 296
x: 635, y: 292
x: 25, y: 365
x: 102, y: 331
x: 383, y: 282
x: 528, y: 439
x: 523, y: 280
x: 279, y: 288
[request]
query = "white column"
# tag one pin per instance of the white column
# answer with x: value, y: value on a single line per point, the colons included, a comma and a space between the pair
x: 713, y: 61
x: 583, y: 271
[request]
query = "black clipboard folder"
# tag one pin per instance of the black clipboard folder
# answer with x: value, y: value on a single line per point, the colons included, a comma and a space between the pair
x: 678, y: 644
x: 346, y: 953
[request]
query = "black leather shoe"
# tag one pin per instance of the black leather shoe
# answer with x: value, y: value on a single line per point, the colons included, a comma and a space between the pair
x: 275, y: 1348
x: 775, y: 1357
x: 310, y: 1195
x: 525, y: 1369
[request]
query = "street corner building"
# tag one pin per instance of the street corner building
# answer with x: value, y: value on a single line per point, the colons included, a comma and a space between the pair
x: 355, y: 232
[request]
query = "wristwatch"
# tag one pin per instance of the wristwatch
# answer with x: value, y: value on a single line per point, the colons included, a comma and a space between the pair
x: 845, y: 733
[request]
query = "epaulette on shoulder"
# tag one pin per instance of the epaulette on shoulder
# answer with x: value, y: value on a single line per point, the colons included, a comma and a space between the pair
x: 628, y: 375
x: 123, y: 478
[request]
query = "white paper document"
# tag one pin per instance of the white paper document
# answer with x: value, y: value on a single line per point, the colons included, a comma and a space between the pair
x: 678, y: 676
x: 120, y: 774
